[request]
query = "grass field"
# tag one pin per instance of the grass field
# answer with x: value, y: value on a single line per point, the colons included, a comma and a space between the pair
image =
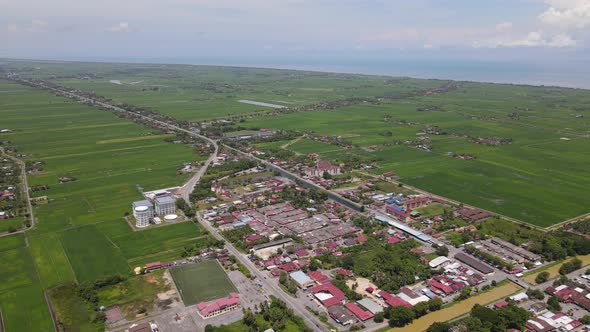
x: 204, y: 281
x: 459, y: 309
x: 553, y: 269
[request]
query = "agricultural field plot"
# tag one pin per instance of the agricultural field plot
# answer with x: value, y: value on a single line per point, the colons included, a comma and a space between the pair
x: 172, y: 238
x: 21, y: 296
x: 51, y: 260
x: 538, y: 166
x: 73, y: 240
x: 12, y: 242
x: 91, y: 254
x: 306, y: 146
x: 107, y: 174
x: 204, y: 281
x: 198, y: 93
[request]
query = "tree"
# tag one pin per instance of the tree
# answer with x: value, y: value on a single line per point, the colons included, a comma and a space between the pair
x: 570, y: 266
x: 442, y: 251
x: 535, y: 294
x: 401, y: 316
x: 326, y: 175
x: 465, y: 293
x: 553, y: 304
x: 542, y: 277
x: 585, y: 319
x: 379, y: 317
x: 439, y: 327
x: 435, y: 304
x: 420, y: 309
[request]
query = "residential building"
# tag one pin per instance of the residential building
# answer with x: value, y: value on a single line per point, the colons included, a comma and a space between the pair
x: 165, y: 205
x: 143, y: 211
x: 219, y: 306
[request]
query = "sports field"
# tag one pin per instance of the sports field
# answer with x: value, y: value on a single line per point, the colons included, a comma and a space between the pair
x: 204, y: 281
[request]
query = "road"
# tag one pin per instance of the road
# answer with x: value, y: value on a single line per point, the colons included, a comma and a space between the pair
x: 24, y: 189
x: 268, y: 284
x: 188, y: 187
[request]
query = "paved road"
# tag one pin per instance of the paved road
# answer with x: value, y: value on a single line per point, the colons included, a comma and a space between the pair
x: 188, y: 187
x: 24, y: 189
x: 269, y: 284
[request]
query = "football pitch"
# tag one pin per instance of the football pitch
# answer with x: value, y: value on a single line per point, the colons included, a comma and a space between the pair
x: 204, y: 281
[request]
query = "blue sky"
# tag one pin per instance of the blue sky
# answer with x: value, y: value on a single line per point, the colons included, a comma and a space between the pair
x: 304, y: 29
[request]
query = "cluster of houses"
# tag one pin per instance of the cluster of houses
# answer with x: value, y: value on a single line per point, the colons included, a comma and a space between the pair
x: 554, y: 321
x: 282, y: 219
x: 571, y: 294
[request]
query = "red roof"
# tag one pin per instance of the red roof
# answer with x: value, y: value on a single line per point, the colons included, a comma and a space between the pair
x: 501, y: 304
x: 369, y: 289
x: 153, y: 265
x: 318, y: 276
x: 393, y: 240
x: 358, y: 312
x: 361, y: 239
x: 394, y: 301
x: 337, y: 295
x: 302, y: 253
x: 446, y: 289
x: 344, y: 272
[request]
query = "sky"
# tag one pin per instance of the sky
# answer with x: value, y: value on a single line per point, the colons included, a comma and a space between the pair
x: 306, y: 30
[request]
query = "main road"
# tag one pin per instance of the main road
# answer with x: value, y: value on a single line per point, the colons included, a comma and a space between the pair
x: 188, y: 187
x: 268, y: 284
x: 298, y: 307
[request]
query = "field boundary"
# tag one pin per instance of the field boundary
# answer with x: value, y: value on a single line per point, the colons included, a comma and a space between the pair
x: 51, y: 311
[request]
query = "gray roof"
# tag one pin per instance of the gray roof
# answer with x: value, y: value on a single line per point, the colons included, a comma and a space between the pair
x: 165, y: 200
x: 145, y: 202
x: 370, y: 305
x: 300, y: 277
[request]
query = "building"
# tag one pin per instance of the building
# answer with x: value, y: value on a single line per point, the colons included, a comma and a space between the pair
x: 341, y: 315
x: 302, y: 280
x: 328, y: 294
x: 439, y: 261
x: 370, y: 305
x: 321, y: 167
x: 143, y: 327
x: 472, y: 215
x: 219, y: 306
x: 165, y: 205
x: 143, y: 211
x: 474, y: 263
x: 359, y: 312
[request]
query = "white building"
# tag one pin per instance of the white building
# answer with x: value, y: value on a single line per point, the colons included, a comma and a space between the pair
x: 143, y: 211
x: 165, y: 205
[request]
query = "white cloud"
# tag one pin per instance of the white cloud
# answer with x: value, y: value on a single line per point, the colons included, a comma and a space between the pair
x: 567, y: 14
x: 532, y: 39
x: 121, y: 27
x: 36, y: 25
x: 504, y: 26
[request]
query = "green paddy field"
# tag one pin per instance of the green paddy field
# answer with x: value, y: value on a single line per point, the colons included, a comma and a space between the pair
x: 81, y: 234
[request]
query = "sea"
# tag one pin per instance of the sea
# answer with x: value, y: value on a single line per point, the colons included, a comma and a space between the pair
x: 573, y: 74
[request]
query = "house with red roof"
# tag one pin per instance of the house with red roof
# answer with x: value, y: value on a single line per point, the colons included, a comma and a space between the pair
x: 318, y: 277
x: 344, y: 272
x: 219, y: 306
x: 328, y: 294
x: 361, y: 314
x: 393, y: 301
